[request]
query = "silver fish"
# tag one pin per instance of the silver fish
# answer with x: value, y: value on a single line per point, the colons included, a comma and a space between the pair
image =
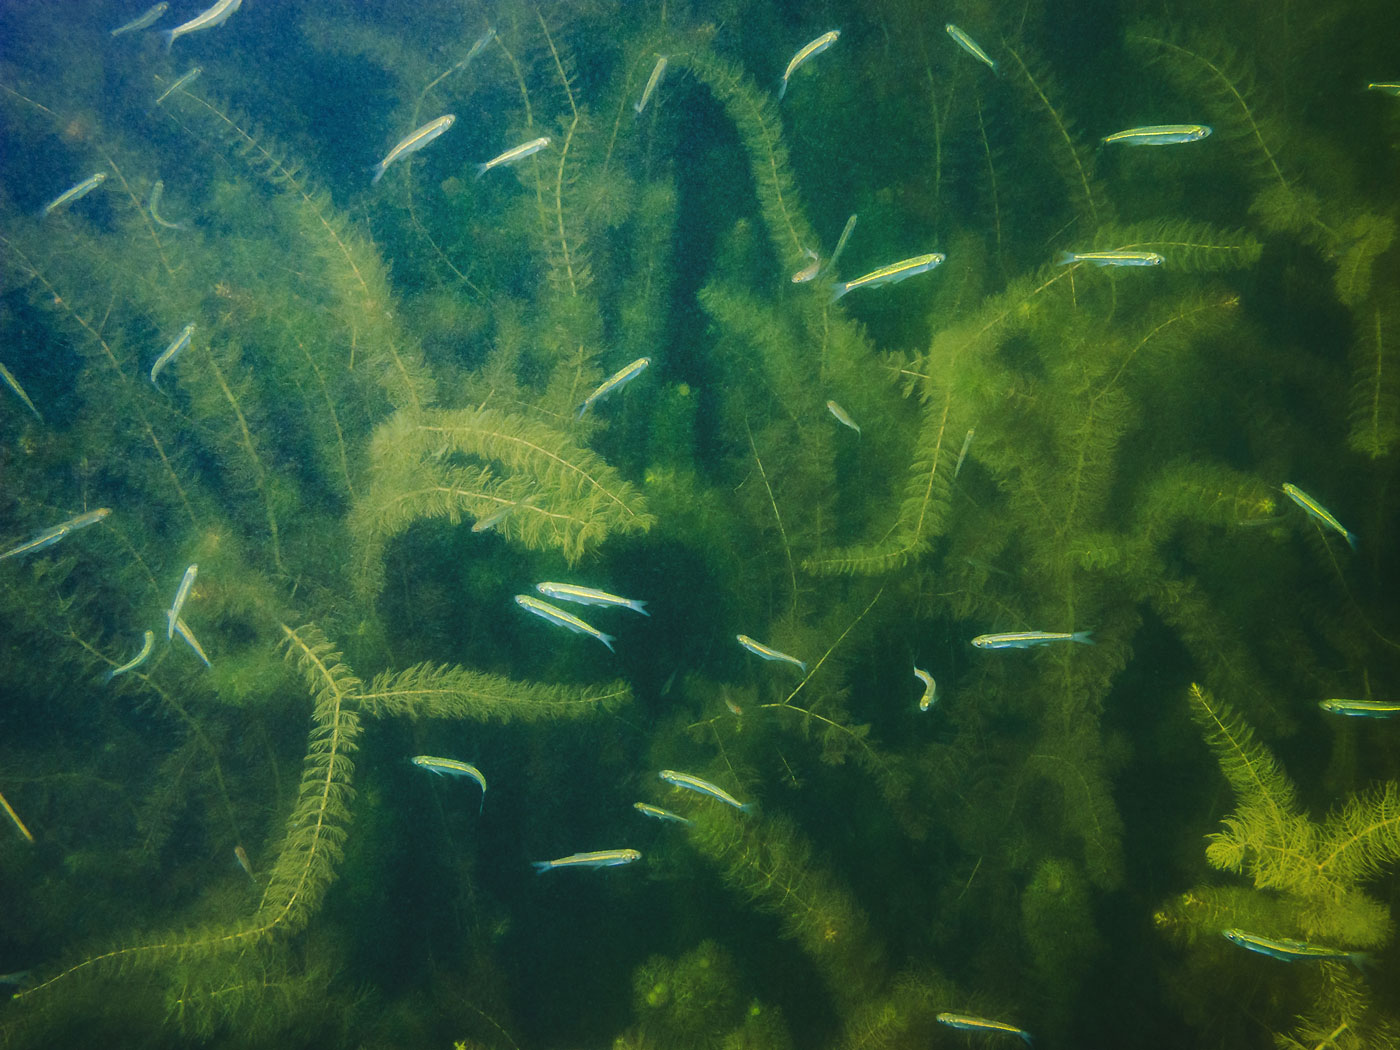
x: 808, y: 50
x: 413, y: 142
x: 214, y: 16
x: 513, y: 154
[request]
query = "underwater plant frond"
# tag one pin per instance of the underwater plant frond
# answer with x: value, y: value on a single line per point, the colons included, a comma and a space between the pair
x: 429, y: 691
x: 1087, y: 811
x: 1375, y: 388
x: 1072, y: 159
x: 555, y: 494
x: 756, y: 119
x: 1363, y: 837
x: 1267, y: 834
x: 1361, y: 240
x: 1188, y: 247
x: 399, y: 367
x: 921, y: 514
x: 316, y: 827
x: 768, y: 861
x: 1211, y: 71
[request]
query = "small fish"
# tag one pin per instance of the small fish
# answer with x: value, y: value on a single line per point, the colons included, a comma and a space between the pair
x: 768, y: 653
x: 48, y: 537
x: 815, y: 47
x: 970, y: 46
x: 183, y: 630
x: 967, y: 444
x: 891, y: 274
x: 568, y: 592
x: 841, y: 416
x: 1318, y: 511
x: 142, y: 21
x: 969, y: 1023
x: 646, y: 809
x: 478, y: 47
x: 241, y: 855
x: 179, y: 83
x: 492, y: 520
x: 1385, y: 87
x: 1113, y: 258
x: 154, y: 204
x: 704, y: 787
x: 452, y: 767
x: 1362, y: 708
x: 930, y: 696
x: 1290, y: 950
x: 168, y: 354
x: 214, y: 16
x: 614, y: 381
x: 1026, y: 639
x: 809, y: 271
x: 413, y: 142
x: 657, y: 72
x: 1159, y: 135
x: 136, y: 661
x: 556, y: 615
x: 181, y: 594
x: 733, y: 708
x: 71, y: 194
x: 13, y: 384
x: 513, y: 154
x: 603, y: 858
x: 846, y: 232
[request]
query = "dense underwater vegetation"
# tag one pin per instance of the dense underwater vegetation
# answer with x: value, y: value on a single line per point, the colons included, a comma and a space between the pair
x: 1056, y: 843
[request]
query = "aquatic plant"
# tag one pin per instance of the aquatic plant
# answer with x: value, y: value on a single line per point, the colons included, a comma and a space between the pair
x: 1048, y: 447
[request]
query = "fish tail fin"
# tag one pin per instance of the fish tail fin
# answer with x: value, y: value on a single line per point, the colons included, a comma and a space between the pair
x: 637, y: 605
x: 1064, y: 258
x: 582, y: 409
x: 378, y: 170
x: 482, y: 169
x: 169, y: 37
x: 169, y: 625
x: 542, y: 866
x: 747, y: 807
x: 803, y: 665
x: 109, y: 675
x: 782, y: 89
x: 1027, y: 1037
x: 839, y: 289
x: 1361, y: 960
x: 1083, y: 637
x: 1351, y: 539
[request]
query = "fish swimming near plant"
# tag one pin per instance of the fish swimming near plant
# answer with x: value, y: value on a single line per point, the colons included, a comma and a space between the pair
x: 1362, y: 708
x: 930, y: 696
x: 603, y: 858
x: 1118, y: 257
x: 657, y: 72
x: 971, y: 1023
x: 693, y: 783
x: 767, y: 652
x: 1026, y: 639
x: 842, y: 416
x: 971, y: 47
x: 809, y: 50
x: 181, y: 595
x: 72, y: 193
x: 1158, y: 135
x: 412, y: 142
x: 451, y: 767
x: 183, y: 630
x: 617, y: 379
x: 513, y: 154
x: 1318, y: 512
x: 569, y: 592
x: 646, y: 809
x: 1289, y: 950
x: 179, y: 83
x: 148, y: 17
x: 169, y: 353
x: 559, y: 617
x: 51, y: 535
x: 136, y: 661
x: 214, y: 16
x: 891, y: 274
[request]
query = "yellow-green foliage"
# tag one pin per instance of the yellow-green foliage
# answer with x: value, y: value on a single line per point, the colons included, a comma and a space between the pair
x: 767, y: 861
